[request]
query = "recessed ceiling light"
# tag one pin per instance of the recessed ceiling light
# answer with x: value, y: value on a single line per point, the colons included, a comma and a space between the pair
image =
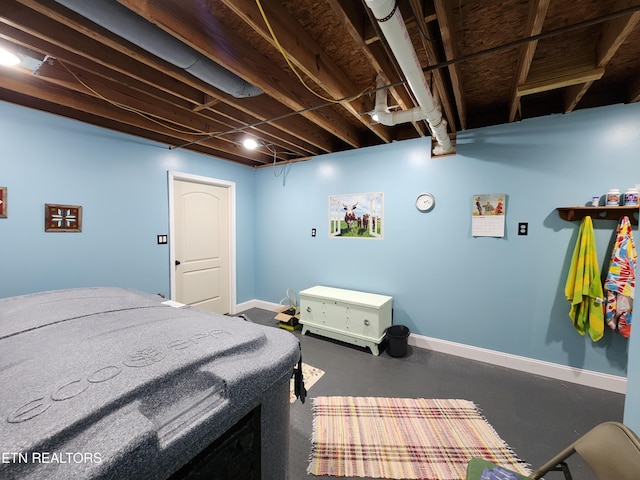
x: 250, y: 143
x: 8, y: 58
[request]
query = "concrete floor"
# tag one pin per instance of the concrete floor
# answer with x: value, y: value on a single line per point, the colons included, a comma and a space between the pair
x: 535, y: 415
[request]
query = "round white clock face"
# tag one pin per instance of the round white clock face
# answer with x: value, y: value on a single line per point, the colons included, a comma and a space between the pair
x: 425, y: 202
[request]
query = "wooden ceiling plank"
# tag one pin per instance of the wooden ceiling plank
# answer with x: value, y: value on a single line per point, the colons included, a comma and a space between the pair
x: 306, y: 55
x: 37, y: 88
x: 112, y: 57
x: 22, y: 38
x: 244, y: 61
x: 573, y: 94
x: 38, y: 19
x: 207, y: 101
x: 560, y: 81
x: 100, y: 75
x: 614, y: 33
x: 445, y: 21
x: 240, y: 123
x: 150, y: 106
x: 432, y: 56
x: 113, y: 94
x: 294, y: 126
x: 535, y: 19
x: 634, y: 91
x: 353, y: 16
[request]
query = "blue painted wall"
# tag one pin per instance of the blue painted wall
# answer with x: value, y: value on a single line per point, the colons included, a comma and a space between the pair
x: 505, y: 294
x: 121, y: 183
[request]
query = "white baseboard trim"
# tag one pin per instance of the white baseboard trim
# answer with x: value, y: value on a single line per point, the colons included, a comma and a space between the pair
x: 556, y: 371
x: 241, y: 307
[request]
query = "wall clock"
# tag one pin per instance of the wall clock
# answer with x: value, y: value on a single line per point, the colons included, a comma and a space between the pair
x: 425, y: 202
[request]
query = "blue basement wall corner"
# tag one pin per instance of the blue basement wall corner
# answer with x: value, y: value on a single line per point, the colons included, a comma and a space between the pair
x: 504, y: 294
x: 121, y: 183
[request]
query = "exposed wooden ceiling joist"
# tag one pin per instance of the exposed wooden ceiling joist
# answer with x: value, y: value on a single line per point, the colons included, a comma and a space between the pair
x: 487, y: 62
x: 535, y: 20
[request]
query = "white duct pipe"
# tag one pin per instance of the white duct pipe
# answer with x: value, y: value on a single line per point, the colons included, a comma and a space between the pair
x: 392, y: 25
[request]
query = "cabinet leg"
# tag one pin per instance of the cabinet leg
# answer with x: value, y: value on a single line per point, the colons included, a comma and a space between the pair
x: 374, y: 349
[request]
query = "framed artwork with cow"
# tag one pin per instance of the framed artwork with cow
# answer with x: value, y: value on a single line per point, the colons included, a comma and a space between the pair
x: 356, y: 215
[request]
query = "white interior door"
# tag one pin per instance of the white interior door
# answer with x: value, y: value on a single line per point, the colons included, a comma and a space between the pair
x: 201, y: 245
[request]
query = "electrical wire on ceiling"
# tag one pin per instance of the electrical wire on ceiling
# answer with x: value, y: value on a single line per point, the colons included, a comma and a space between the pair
x: 275, y: 162
x: 419, y: 23
x: 272, y: 149
x: 286, y: 115
x: 295, y: 70
x: 128, y: 108
x: 439, y: 65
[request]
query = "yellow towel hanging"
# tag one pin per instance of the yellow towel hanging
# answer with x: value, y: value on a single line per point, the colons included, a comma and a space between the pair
x: 584, y: 287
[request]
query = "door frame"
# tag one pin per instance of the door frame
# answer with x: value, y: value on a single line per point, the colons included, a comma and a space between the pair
x: 188, y: 177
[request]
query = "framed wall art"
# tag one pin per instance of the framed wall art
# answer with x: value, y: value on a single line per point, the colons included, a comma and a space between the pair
x: 3, y: 202
x: 359, y: 215
x: 62, y: 218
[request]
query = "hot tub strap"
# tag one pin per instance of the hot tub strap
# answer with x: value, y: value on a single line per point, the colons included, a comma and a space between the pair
x: 298, y: 382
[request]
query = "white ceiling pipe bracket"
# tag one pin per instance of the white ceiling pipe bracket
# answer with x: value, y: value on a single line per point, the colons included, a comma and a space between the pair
x: 395, y: 31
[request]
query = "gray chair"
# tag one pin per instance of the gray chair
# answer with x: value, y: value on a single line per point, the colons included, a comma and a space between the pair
x: 611, y: 450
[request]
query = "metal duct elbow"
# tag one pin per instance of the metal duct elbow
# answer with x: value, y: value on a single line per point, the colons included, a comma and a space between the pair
x: 394, y: 29
x: 123, y: 22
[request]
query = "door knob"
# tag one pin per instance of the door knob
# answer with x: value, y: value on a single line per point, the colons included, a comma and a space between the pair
x: 177, y: 262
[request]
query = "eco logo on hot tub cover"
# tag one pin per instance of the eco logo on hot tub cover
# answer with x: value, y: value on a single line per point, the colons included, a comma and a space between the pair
x: 139, y: 358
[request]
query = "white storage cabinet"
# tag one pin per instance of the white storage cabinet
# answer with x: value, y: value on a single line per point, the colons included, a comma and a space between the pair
x: 350, y: 316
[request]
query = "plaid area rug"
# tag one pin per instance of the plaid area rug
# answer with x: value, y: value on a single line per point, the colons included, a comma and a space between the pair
x: 310, y: 376
x: 403, y: 438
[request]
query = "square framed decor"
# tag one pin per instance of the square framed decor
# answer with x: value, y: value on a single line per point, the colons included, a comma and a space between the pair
x: 3, y: 202
x: 62, y: 218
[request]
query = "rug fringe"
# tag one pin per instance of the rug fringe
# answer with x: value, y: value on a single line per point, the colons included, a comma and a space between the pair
x: 314, y: 431
x: 524, y: 464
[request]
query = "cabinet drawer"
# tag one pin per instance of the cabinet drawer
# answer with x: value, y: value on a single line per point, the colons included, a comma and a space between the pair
x: 355, y: 319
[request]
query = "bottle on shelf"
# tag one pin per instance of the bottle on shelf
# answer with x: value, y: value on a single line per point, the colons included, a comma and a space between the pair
x: 613, y: 197
x: 631, y: 197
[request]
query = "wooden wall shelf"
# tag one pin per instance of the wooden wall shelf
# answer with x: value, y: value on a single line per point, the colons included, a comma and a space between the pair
x: 602, y: 213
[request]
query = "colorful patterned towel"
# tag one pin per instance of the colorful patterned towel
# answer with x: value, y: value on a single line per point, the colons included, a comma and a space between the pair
x: 621, y: 280
x: 584, y: 288
x: 403, y: 438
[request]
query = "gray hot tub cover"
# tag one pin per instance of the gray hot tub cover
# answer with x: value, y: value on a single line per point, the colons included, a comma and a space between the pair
x: 112, y: 383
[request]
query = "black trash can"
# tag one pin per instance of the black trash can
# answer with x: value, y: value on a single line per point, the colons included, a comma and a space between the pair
x: 397, y: 337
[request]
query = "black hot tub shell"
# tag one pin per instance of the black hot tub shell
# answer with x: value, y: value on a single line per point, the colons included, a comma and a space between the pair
x: 112, y: 383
